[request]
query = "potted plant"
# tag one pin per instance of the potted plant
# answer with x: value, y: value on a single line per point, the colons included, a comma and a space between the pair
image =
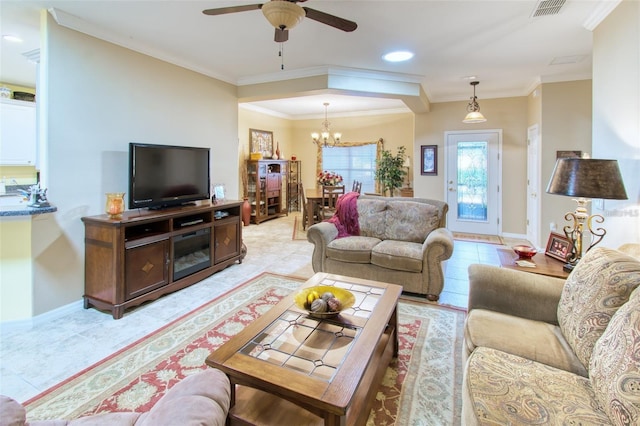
x: 390, y: 171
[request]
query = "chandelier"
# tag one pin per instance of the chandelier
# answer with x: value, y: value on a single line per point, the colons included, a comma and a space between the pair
x: 473, y: 109
x: 325, y: 138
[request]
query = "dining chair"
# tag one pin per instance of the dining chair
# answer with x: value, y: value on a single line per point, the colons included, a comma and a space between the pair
x: 357, y: 186
x: 330, y: 196
x: 307, y: 220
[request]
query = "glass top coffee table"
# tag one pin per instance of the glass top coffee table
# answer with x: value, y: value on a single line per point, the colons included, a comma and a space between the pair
x: 289, y: 368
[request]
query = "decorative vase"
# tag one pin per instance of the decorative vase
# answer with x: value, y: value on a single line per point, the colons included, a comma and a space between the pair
x: 246, y: 212
x: 278, y: 150
x: 115, y: 205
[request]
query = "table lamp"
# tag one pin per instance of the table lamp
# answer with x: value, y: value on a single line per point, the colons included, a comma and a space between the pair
x: 585, y: 178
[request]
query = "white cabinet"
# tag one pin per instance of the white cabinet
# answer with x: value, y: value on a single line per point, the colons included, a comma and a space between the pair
x: 17, y: 132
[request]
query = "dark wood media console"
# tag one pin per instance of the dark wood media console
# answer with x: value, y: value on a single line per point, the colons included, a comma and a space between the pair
x: 149, y: 253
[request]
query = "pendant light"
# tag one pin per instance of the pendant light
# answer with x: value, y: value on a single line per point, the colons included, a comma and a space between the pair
x: 473, y: 109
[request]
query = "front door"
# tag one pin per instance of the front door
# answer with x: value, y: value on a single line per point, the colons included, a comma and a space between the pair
x: 473, y: 181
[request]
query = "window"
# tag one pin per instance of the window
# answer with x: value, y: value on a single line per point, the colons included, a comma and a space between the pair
x: 352, y: 163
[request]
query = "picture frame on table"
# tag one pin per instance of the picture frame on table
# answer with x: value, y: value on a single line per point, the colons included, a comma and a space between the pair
x: 429, y: 160
x: 218, y: 193
x: 261, y: 141
x: 558, y: 247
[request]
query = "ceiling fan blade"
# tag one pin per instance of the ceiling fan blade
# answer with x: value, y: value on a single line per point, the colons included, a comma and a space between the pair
x: 331, y: 20
x: 281, y: 35
x: 231, y: 9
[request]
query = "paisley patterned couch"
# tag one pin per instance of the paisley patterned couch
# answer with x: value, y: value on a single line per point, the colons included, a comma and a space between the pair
x: 402, y: 241
x: 540, y: 350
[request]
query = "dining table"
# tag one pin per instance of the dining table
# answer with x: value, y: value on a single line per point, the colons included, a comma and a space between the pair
x: 314, y: 198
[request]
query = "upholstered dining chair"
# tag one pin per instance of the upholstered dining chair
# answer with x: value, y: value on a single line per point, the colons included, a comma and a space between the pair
x: 330, y: 196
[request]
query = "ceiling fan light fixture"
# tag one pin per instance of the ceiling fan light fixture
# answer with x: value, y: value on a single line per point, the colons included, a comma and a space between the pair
x: 283, y: 14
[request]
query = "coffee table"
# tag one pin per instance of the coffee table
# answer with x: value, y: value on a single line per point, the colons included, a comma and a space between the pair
x: 287, y: 368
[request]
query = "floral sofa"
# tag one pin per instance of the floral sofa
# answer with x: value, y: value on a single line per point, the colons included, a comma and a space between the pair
x: 402, y: 241
x: 200, y: 399
x: 541, y: 350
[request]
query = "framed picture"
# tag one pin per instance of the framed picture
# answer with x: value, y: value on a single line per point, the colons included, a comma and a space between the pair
x: 261, y: 141
x: 218, y: 192
x: 429, y: 160
x: 558, y: 247
x: 568, y: 154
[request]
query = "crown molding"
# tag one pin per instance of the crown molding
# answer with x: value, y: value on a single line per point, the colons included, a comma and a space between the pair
x: 599, y: 13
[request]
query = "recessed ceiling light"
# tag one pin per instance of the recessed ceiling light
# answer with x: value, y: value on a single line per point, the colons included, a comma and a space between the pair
x: 13, y: 38
x: 398, y: 56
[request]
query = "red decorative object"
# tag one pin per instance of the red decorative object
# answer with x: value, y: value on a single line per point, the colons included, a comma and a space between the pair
x: 525, y: 252
x: 246, y: 212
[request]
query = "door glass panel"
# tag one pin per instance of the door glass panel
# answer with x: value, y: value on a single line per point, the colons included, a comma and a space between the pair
x: 472, y: 181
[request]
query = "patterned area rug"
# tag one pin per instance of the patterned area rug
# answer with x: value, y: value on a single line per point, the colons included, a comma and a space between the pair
x: 421, y: 386
x: 478, y: 238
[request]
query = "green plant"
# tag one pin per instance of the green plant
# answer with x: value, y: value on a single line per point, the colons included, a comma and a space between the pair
x: 390, y: 171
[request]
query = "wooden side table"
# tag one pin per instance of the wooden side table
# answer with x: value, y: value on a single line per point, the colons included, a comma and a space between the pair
x: 406, y: 192
x: 545, y: 265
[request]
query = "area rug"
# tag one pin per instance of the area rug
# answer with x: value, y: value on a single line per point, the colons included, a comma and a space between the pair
x: 298, y: 232
x: 478, y: 238
x: 421, y: 386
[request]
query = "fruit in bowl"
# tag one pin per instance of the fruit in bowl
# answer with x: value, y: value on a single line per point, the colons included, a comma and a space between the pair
x: 525, y: 252
x: 324, y: 301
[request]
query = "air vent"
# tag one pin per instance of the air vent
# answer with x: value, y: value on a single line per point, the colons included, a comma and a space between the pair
x: 548, y: 7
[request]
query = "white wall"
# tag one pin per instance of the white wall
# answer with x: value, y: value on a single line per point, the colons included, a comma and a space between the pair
x: 100, y: 98
x: 616, y: 115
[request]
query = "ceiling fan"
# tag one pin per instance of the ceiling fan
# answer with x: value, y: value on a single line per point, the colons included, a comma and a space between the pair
x: 286, y: 14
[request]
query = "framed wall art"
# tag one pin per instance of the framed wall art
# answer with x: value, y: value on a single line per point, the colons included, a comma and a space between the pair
x: 558, y: 247
x: 429, y: 160
x: 568, y: 154
x: 261, y: 141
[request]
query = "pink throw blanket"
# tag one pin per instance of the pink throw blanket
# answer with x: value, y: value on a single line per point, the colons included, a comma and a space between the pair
x: 346, y: 216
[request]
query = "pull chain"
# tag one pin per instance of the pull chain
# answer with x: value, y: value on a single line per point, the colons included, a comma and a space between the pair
x: 281, y: 54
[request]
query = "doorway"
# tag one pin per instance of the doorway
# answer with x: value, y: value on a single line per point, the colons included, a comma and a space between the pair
x: 533, y: 185
x: 473, y: 178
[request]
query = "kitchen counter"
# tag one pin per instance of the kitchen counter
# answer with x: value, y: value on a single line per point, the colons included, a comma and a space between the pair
x: 18, y: 210
x: 16, y: 205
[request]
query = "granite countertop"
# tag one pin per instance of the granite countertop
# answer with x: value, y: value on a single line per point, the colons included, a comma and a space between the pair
x: 14, y: 205
x: 25, y: 210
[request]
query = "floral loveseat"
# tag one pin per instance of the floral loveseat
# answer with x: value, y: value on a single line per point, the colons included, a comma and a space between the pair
x: 402, y: 241
x: 544, y: 351
x: 199, y: 399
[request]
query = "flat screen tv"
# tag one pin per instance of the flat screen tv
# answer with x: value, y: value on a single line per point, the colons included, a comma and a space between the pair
x: 165, y: 175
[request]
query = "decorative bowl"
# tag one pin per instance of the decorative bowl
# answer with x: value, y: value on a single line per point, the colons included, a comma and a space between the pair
x: 525, y: 252
x: 346, y: 298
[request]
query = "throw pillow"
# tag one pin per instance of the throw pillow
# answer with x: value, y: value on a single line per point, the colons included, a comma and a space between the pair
x: 615, y: 365
x: 600, y: 283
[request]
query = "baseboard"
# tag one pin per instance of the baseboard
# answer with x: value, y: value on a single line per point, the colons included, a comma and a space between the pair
x: 44, y: 318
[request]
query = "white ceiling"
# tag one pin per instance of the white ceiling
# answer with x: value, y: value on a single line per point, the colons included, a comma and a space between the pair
x: 497, y: 41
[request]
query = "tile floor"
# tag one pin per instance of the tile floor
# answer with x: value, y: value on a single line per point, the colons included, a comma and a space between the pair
x: 57, y: 345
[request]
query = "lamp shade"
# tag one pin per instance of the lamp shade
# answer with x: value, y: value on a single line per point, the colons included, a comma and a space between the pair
x: 283, y: 14
x: 474, y: 117
x: 587, y: 178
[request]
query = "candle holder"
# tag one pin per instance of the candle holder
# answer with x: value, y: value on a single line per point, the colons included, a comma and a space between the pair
x: 115, y: 204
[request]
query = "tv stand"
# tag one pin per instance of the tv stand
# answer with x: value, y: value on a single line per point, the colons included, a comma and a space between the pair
x: 149, y: 253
